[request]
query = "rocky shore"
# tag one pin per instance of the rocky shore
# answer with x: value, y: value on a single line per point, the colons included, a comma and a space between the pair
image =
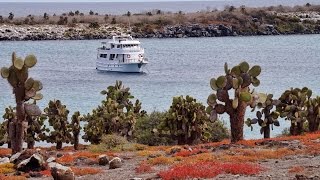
x: 84, y: 32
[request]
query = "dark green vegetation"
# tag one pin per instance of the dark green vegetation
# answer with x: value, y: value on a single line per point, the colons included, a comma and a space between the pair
x: 238, y: 20
x: 120, y: 119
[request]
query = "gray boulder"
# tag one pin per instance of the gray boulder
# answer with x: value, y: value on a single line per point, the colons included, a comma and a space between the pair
x: 115, y: 163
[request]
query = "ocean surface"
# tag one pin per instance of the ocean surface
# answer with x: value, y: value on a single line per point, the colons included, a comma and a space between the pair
x: 36, y: 8
x: 177, y: 67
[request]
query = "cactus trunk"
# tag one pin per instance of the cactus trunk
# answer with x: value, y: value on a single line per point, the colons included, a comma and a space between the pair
x: 237, y: 123
x: 76, y: 141
x: 313, y: 123
x: 31, y: 144
x: 59, y: 145
x: 266, y: 132
x: 17, y: 127
x: 296, y: 129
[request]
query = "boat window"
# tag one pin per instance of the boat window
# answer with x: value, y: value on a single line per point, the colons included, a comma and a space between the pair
x: 118, y: 46
x: 103, y: 55
x: 112, y: 56
x: 112, y: 45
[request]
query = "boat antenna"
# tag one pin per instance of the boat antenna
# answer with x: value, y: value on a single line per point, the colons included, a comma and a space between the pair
x: 129, y: 15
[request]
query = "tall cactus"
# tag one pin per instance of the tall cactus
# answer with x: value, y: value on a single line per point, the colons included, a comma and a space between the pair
x: 24, y: 88
x: 293, y: 108
x: 313, y: 107
x: 117, y: 114
x: 186, y: 120
x: 238, y: 80
x: 270, y: 117
x: 57, y: 114
x: 75, y: 126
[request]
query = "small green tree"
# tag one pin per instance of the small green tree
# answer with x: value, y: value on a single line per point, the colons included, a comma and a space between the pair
x: 146, y: 130
x: 293, y: 108
x: 185, y: 120
x: 266, y: 118
x: 117, y: 114
x: 313, y: 108
x: 8, y: 117
x: 57, y: 114
x: 36, y: 130
x: 75, y: 126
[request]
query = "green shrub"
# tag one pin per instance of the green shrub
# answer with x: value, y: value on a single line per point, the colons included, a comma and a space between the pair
x: 109, y: 142
x: 215, y: 132
x: 145, y: 130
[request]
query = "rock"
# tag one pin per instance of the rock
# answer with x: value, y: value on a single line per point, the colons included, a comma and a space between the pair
x: 103, y: 160
x: 59, y: 155
x: 35, y: 174
x: 60, y: 172
x: 115, y: 163
x: 14, y: 157
x: 4, y: 160
x: 34, y: 163
x: 51, y: 159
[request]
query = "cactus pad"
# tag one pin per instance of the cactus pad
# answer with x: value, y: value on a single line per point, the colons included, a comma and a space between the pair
x: 37, y: 85
x: 244, y: 66
x: 18, y: 63
x: 29, y: 84
x: 245, y: 96
x: 38, y: 96
x: 213, y: 84
x: 221, y: 81
x: 30, y: 61
x: 212, y: 98
x: 235, y: 103
x: 5, y: 72
x: 255, y: 71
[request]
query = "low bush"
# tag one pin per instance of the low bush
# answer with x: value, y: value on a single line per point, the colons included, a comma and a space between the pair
x: 109, y: 142
x: 145, y: 130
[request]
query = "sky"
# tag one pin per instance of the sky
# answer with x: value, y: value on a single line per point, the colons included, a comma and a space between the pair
x: 101, y: 0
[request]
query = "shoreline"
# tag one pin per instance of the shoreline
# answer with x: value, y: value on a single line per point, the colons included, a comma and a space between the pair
x: 105, y: 31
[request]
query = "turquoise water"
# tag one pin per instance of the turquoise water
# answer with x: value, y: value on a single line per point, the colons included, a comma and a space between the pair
x: 177, y: 67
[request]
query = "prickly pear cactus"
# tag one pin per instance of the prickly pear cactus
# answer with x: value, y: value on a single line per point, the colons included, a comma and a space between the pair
x: 293, y: 108
x: 186, y: 120
x: 24, y: 89
x: 313, y: 108
x: 8, y: 116
x: 36, y: 130
x: 75, y: 126
x: 266, y: 117
x: 57, y: 114
x: 236, y: 82
x: 117, y: 114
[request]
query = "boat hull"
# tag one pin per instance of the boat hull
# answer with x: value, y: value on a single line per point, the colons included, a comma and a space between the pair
x: 128, y: 67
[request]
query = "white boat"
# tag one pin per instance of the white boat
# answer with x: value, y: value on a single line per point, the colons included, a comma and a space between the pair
x: 121, y: 54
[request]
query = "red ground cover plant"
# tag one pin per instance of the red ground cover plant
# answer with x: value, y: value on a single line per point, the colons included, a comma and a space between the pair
x: 46, y: 173
x: 3, y: 177
x: 4, y: 152
x: 85, y: 171
x: 208, y: 170
x: 186, y: 153
x: 143, y: 167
